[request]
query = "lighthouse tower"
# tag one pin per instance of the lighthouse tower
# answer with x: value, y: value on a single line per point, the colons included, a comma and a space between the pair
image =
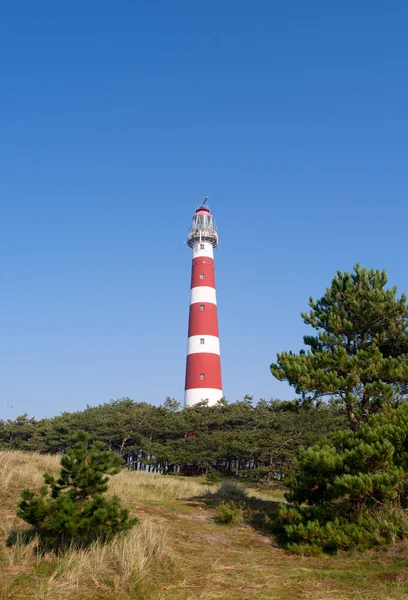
x: 203, y: 369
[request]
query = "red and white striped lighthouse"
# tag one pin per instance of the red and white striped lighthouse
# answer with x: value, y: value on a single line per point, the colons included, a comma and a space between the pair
x: 203, y: 369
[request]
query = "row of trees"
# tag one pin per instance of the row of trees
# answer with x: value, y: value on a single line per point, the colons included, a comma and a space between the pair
x: 236, y: 438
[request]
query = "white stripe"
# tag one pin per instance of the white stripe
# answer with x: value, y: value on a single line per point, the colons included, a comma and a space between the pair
x: 203, y: 293
x: 207, y: 251
x: 195, y: 395
x: 203, y: 343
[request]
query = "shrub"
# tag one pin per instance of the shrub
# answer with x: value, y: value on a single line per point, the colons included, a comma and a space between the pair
x: 308, y: 532
x: 231, y: 490
x: 72, y: 509
x: 349, y: 489
x: 229, y: 514
x: 213, y: 476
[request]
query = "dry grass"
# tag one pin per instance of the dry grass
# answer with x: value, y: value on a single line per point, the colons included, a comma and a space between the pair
x: 178, y: 552
x: 119, y: 565
x: 19, y: 469
x: 150, y: 487
x: 231, y: 490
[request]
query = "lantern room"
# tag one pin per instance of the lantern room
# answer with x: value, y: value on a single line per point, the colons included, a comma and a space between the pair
x: 203, y: 228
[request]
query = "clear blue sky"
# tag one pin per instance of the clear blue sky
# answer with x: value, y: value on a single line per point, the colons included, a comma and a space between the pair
x: 117, y: 118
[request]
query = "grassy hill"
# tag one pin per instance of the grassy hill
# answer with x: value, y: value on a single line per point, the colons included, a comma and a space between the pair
x: 179, y: 552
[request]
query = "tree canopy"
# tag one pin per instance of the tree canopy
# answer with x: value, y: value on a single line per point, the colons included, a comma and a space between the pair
x: 350, y: 488
x: 237, y: 438
x: 359, y: 356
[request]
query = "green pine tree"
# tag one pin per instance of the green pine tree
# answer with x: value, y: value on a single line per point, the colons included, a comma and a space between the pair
x: 350, y: 489
x: 359, y: 357
x: 72, y: 509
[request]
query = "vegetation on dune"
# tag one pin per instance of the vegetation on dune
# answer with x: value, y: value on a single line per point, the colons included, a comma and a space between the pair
x: 72, y: 509
x: 231, y: 490
x: 351, y: 488
x: 178, y: 552
x: 230, y: 514
x: 213, y: 476
x: 252, y: 441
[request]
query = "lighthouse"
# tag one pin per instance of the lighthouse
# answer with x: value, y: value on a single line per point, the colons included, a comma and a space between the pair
x: 203, y: 368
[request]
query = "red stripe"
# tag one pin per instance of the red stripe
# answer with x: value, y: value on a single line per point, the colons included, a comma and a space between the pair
x: 203, y: 321
x: 209, y: 365
x: 203, y: 260
x: 202, y: 272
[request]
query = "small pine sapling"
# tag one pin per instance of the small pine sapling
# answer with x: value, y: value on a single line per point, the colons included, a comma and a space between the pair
x: 72, y: 509
x: 213, y: 476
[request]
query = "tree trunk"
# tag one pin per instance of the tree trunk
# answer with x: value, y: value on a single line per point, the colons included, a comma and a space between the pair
x: 352, y: 419
x: 365, y: 407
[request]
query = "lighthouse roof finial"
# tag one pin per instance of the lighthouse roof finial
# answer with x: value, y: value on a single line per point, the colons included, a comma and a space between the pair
x: 202, y: 208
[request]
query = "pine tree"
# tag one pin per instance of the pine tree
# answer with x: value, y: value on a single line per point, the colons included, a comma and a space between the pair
x: 72, y: 509
x: 350, y: 489
x: 359, y: 357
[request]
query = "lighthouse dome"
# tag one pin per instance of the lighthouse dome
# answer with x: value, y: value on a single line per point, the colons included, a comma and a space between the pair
x: 203, y: 228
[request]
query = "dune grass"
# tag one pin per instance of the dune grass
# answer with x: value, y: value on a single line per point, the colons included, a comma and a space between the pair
x: 179, y: 552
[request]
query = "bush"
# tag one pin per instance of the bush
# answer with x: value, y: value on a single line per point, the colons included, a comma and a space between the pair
x: 231, y: 490
x: 213, y: 476
x: 349, y: 489
x: 307, y: 532
x: 229, y: 514
x: 72, y: 509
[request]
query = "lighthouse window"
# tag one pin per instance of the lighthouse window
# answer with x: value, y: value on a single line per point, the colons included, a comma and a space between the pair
x: 201, y: 246
x: 202, y: 377
x: 201, y: 340
x: 202, y: 307
x: 201, y: 275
